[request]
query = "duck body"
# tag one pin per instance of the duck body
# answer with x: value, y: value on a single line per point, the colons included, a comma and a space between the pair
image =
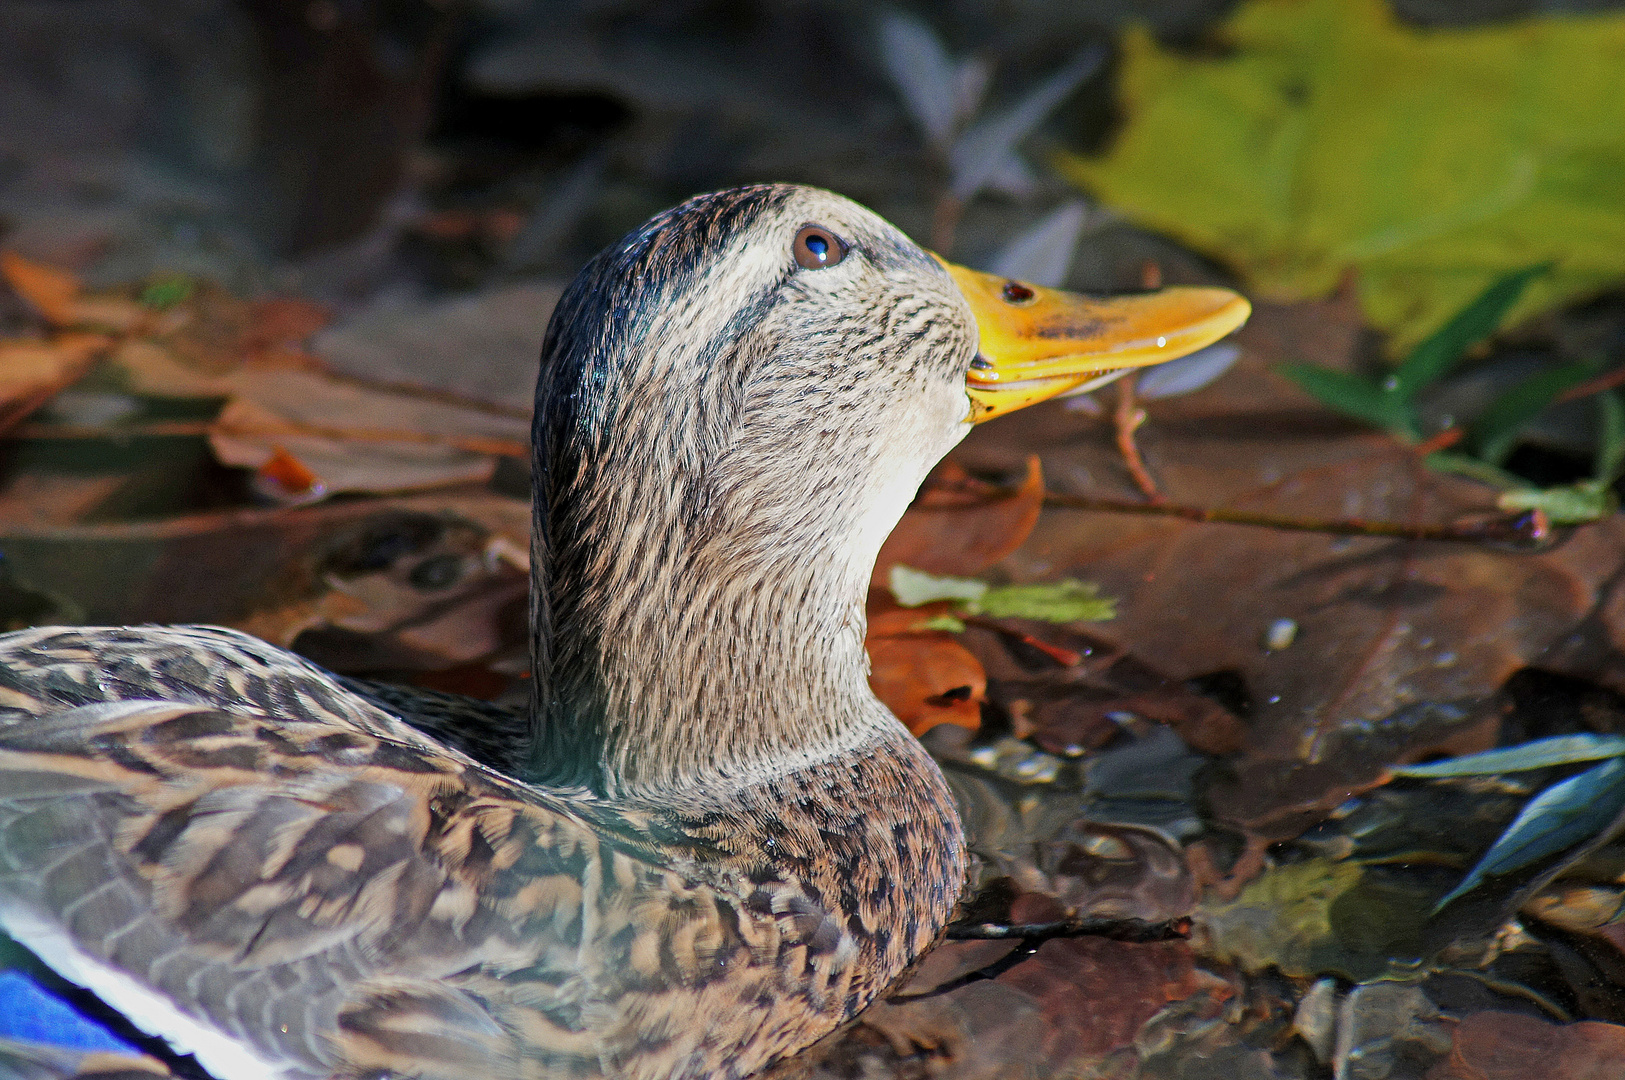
x: 285, y: 880
x: 706, y: 844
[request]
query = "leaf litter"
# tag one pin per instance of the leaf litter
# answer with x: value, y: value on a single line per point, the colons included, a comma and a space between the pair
x: 1184, y: 821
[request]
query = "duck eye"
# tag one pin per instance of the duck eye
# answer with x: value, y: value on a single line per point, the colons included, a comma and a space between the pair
x: 816, y: 247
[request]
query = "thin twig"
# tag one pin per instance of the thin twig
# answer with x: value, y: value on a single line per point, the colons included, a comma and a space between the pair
x: 1064, y: 657
x: 1443, y: 440
x: 1529, y: 528
x: 1592, y: 386
x: 1127, y: 419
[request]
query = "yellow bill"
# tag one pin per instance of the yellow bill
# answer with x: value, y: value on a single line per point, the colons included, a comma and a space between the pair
x: 1037, y: 342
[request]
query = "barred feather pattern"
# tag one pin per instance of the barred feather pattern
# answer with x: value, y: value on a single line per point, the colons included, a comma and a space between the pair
x: 332, y: 891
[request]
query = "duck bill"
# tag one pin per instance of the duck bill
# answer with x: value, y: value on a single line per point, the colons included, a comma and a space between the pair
x: 1037, y: 343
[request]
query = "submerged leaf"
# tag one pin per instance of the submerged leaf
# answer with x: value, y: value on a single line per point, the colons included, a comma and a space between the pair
x: 1563, y: 815
x: 1539, y: 754
x: 915, y: 587
x: 1063, y: 601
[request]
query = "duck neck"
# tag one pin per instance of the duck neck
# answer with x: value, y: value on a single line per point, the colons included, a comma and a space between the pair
x: 674, y: 671
x: 684, y: 645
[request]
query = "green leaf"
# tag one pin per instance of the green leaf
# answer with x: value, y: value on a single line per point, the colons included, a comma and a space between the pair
x: 1302, y: 166
x: 1572, y: 504
x: 1565, y: 814
x: 942, y: 622
x: 1538, y: 754
x: 1610, y: 460
x: 1461, y: 465
x: 166, y: 292
x: 915, y: 587
x: 1496, y: 430
x: 1430, y: 360
x: 1063, y: 601
x: 1354, y: 396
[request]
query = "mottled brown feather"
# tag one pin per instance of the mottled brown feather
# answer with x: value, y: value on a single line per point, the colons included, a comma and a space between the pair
x: 707, y: 847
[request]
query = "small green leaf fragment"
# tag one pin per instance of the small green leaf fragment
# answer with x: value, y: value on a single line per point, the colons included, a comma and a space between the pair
x: 915, y: 587
x: 1496, y: 431
x: 942, y: 622
x: 1446, y: 461
x: 1610, y: 460
x: 1567, y: 813
x: 1354, y: 396
x: 1538, y: 754
x: 165, y: 293
x: 1063, y: 601
x: 1571, y: 504
x: 1439, y: 352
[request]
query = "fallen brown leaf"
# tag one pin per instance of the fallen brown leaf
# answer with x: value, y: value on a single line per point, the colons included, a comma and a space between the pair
x: 924, y: 677
x: 960, y: 526
x: 50, y: 291
x: 1391, y: 642
x: 31, y: 372
x: 358, y: 438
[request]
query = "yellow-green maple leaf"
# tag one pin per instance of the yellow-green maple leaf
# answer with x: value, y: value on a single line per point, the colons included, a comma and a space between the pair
x: 1332, y: 136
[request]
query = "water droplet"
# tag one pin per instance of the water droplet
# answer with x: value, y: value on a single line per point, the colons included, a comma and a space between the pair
x: 1162, y: 343
x: 1281, y: 633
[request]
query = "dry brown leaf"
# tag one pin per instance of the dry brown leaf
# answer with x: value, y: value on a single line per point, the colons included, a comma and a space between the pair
x: 282, y: 324
x: 234, y: 566
x: 32, y: 371
x: 1394, y: 641
x: 50, y: 291
x: 57, y: 295
x: 924, y: 677
x: 358, y: 438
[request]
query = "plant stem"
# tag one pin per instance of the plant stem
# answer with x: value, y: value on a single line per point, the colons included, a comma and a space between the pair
x: 1127, y: 418
x: 1526, y: 529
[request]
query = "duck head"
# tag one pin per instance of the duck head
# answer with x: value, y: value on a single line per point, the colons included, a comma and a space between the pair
x: 736, y: 403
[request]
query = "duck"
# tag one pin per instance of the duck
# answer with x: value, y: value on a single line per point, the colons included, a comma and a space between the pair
x: 706, y: 844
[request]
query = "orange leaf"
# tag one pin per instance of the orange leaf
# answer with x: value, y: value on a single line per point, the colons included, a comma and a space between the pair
x: 957, y: 526
x: 924, y: 677
x: 50, y: 291
x: 287, y: 476
x: 31, y: 372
